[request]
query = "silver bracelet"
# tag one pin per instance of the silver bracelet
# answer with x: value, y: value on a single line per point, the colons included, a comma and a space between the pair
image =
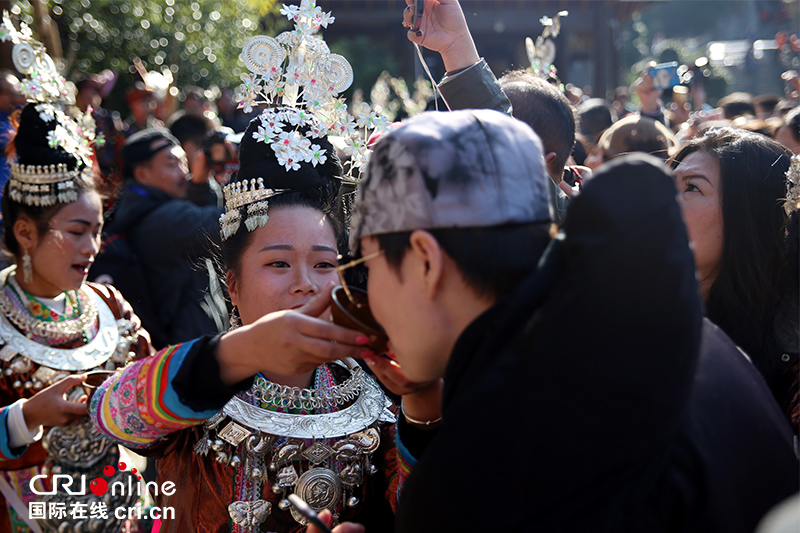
x: 418, y: 422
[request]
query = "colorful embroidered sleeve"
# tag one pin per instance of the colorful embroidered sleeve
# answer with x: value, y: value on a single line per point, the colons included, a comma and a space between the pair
x: 410, y: 443
x: 5, y: 452
x: 139, y: 405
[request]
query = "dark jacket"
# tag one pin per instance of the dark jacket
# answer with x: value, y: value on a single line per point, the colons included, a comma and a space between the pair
x: 173, y: 240
x: 596, y: 398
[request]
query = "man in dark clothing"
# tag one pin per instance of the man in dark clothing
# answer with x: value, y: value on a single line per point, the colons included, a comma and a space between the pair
x: 583, y: 394
x: 171, y: 225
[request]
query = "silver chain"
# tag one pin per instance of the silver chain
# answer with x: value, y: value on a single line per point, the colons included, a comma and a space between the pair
x: 287, y: 397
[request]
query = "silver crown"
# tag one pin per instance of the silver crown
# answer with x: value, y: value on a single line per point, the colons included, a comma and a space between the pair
x: 251, y: 193
x: 45, y: 185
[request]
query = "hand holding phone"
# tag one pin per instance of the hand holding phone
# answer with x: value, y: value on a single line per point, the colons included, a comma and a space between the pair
x: 309, y: 513
x: 416, y: 10
x: 416, y: 20
x: 665, y: 75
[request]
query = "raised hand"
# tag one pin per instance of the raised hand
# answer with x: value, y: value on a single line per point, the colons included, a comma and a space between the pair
x: 444, y: 30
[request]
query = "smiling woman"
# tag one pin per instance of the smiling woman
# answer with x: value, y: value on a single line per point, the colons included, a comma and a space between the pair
x: 273, y: 407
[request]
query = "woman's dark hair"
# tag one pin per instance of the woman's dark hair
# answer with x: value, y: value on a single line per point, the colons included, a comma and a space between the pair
x: 31, y: 147
x: 757, y: 277
x: 492, y: 260
x: 311, y: 186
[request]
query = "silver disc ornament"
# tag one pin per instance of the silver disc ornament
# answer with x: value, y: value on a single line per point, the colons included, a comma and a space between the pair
x: 262, y: 53
x: 23, y: 57
x: 339, y: 73
x: 320, y: 488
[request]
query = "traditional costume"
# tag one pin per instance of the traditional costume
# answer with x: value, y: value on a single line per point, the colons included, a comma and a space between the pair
x: 44, y: 340
x: 235, y: 453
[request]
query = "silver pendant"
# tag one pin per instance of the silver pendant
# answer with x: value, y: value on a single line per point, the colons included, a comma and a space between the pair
x: 318, y: 452
x: 203, y: 445
x: 320, y: 488
x: 249, y: 514
x: 369, y: 439
x: 287, y: 477
x: 260, y: 443
x: 233, y: 433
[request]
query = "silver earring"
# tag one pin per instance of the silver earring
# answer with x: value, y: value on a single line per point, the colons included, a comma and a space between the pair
x: 234, y: 320
x: 27, y: 268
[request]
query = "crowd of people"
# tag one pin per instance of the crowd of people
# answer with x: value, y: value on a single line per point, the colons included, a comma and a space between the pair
x: 588, y: 312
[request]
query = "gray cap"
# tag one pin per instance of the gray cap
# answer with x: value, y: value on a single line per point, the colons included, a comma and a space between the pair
x: 463, y: 169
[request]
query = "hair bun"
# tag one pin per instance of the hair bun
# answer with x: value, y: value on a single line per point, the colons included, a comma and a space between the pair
x: 31, y: 142
x: 258, y: 160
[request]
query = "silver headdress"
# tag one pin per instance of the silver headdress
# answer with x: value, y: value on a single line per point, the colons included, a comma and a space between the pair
x: 242, y: 193
x: 300, y: 80
x: 296, y: 70
x: 543, y: 52
x: 54, y: 100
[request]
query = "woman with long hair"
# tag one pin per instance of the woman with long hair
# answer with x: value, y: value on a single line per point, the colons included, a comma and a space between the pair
x: 732, y: 185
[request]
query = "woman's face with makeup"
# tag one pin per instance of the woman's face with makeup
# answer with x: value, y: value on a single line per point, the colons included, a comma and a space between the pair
x: 700, y: 197
x: 61, y: 257
x: 288, y: 261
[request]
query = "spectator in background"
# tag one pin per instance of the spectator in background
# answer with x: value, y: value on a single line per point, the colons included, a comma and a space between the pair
x: 544, y: 108
x: 91, y: 91
x: 731, y: 188
x: 621, y: 104
x: 765, y: 105
x: 170, y: 224
x: 789, y: 133
x: 228, y: 112
x: 142, y: 105
x: 595, y: 117
x: 10, y: 101
x: 191, y: 131
x: 634, y: 133
x: 220, y: 157
x: 195, y: 102
x: 736, y: 105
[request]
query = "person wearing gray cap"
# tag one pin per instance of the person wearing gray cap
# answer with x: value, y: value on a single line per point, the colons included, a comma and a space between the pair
x: 643, y: 418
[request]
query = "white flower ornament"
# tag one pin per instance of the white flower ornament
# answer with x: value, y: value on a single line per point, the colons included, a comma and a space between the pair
x: 297, y: 71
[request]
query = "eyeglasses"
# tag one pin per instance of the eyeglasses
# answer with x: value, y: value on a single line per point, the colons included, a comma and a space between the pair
x: 355, y: 262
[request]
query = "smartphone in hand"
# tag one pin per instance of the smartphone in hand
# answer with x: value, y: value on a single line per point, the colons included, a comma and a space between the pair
x: 416, y: 20
x: 665, y: 75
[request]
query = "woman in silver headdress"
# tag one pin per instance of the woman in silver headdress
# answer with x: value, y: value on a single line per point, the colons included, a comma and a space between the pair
x: 54, y: 327
x: 241, y: 421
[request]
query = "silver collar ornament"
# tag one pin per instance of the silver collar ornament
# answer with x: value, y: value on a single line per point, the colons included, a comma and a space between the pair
x: 323, y: 458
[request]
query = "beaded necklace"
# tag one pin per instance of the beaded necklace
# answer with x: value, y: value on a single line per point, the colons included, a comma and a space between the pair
x: 44, y: 325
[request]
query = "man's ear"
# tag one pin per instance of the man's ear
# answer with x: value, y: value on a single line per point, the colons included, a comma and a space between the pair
x: 428, y: 261
x: 26, y: 233
x: 549, y: 159
x: 233, y: 287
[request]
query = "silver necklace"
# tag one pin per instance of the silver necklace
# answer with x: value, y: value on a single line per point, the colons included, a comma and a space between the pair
x: 52, y: 331
x: 287, y: 397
